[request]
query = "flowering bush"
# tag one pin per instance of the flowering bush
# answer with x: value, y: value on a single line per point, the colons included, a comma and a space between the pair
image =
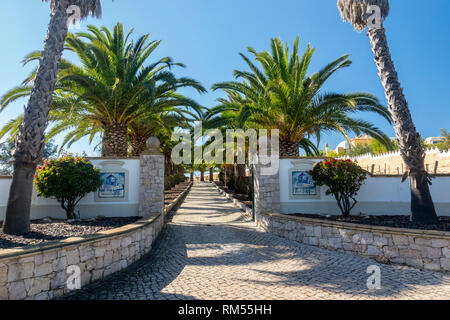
x: 343, y: 178
x: 67, y: 179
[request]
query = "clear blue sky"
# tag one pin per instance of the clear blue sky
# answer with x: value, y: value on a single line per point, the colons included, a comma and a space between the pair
x: 207, y: 36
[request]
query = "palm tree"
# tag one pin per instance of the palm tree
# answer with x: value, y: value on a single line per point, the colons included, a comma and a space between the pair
x: 228, y: 115
x: 282, y: 96
x: 160, y: 125
x: 111, y: 90
x: 30, y: 140
x: 422, y: 207
x: 115, y: 83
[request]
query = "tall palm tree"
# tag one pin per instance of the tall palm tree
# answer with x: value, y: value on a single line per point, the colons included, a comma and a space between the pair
x: 30, y: 140
x: 115, y: 83
x: 282, y: 96
x: 112, y: 89
x: 422, y: 207
x: 160, y: 125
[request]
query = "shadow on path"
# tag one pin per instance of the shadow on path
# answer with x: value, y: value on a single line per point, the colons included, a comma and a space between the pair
x: 215, y: 252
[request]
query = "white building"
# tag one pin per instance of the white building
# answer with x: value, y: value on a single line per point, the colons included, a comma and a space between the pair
x: 434, y: 140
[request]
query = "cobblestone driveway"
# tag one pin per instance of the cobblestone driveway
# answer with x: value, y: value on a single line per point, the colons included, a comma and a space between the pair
x: 211, y: 251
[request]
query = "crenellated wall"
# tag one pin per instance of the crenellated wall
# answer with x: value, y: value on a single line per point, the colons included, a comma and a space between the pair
x: 391, y: 163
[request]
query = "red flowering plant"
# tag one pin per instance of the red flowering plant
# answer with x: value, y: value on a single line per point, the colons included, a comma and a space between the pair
x: 68, y: 179
x: 343, y: 178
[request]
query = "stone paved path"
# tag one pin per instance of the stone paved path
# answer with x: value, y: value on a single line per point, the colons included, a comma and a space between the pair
x: 211, y: 251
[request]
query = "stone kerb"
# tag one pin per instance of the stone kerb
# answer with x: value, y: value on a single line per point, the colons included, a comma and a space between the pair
x: 267, y: 191
x: 428, y: 250
x: 151, y: 193
x: 40, y: 272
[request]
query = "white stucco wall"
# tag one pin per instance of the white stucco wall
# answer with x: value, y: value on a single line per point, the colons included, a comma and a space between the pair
x: 87, y: 207
x: 378, y: 196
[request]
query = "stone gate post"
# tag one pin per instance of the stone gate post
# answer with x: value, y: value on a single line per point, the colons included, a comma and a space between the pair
x: 267, y: 181
x: 267, y: 192
x: 151, y: 189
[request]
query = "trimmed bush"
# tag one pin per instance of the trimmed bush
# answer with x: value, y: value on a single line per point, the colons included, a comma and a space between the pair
x: 343, y: 178
x: 242, y: 185
x: 172, y: 181
x: 68, y: 179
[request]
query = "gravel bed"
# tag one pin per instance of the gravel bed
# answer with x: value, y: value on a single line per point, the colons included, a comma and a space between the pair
x: 241, y: 197
x: 172, y: 194
x: 44, y: 231
x: 396, y: 221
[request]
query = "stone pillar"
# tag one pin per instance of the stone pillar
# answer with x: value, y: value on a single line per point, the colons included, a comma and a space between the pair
x: 266, y: 183
x: 151, y: 189
x: 267, y: 192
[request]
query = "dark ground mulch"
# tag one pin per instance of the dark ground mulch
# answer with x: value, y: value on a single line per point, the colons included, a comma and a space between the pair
x: 385, y: 221
x: 42, y: 231
x: 172, y: 194
x: 241, y: 197
x: 396, y: 221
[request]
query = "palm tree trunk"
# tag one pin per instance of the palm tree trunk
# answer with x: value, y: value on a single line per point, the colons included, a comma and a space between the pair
x: 31, y: 139
x: 422, y: 207
x: 289, y: 149
x: 229, y: 177
x: 241, y: 186
x: 202, y: 175
x: 167, y: 166
x: 211, y: 174
x: 115, y: 142
x: 138, y: 145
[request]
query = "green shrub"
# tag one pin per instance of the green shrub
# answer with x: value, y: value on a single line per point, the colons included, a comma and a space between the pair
x: 180, y: 178
x: 166, y: 183
x: 242, y: 185
x: 230, y: 182
x: 68, y: 179
x: 343, y: 178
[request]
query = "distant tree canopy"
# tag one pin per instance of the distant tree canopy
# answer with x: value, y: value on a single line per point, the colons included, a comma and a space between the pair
x: 446, y: 144
x: 375, y: 147
x: 6, y: 149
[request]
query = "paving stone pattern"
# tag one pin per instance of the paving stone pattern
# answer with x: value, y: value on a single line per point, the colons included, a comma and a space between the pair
x: 210, y: 250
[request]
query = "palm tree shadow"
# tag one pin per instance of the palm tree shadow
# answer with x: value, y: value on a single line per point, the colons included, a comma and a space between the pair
x: 319, y: 268
x: 146, y: 278
x: 184, y: 244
